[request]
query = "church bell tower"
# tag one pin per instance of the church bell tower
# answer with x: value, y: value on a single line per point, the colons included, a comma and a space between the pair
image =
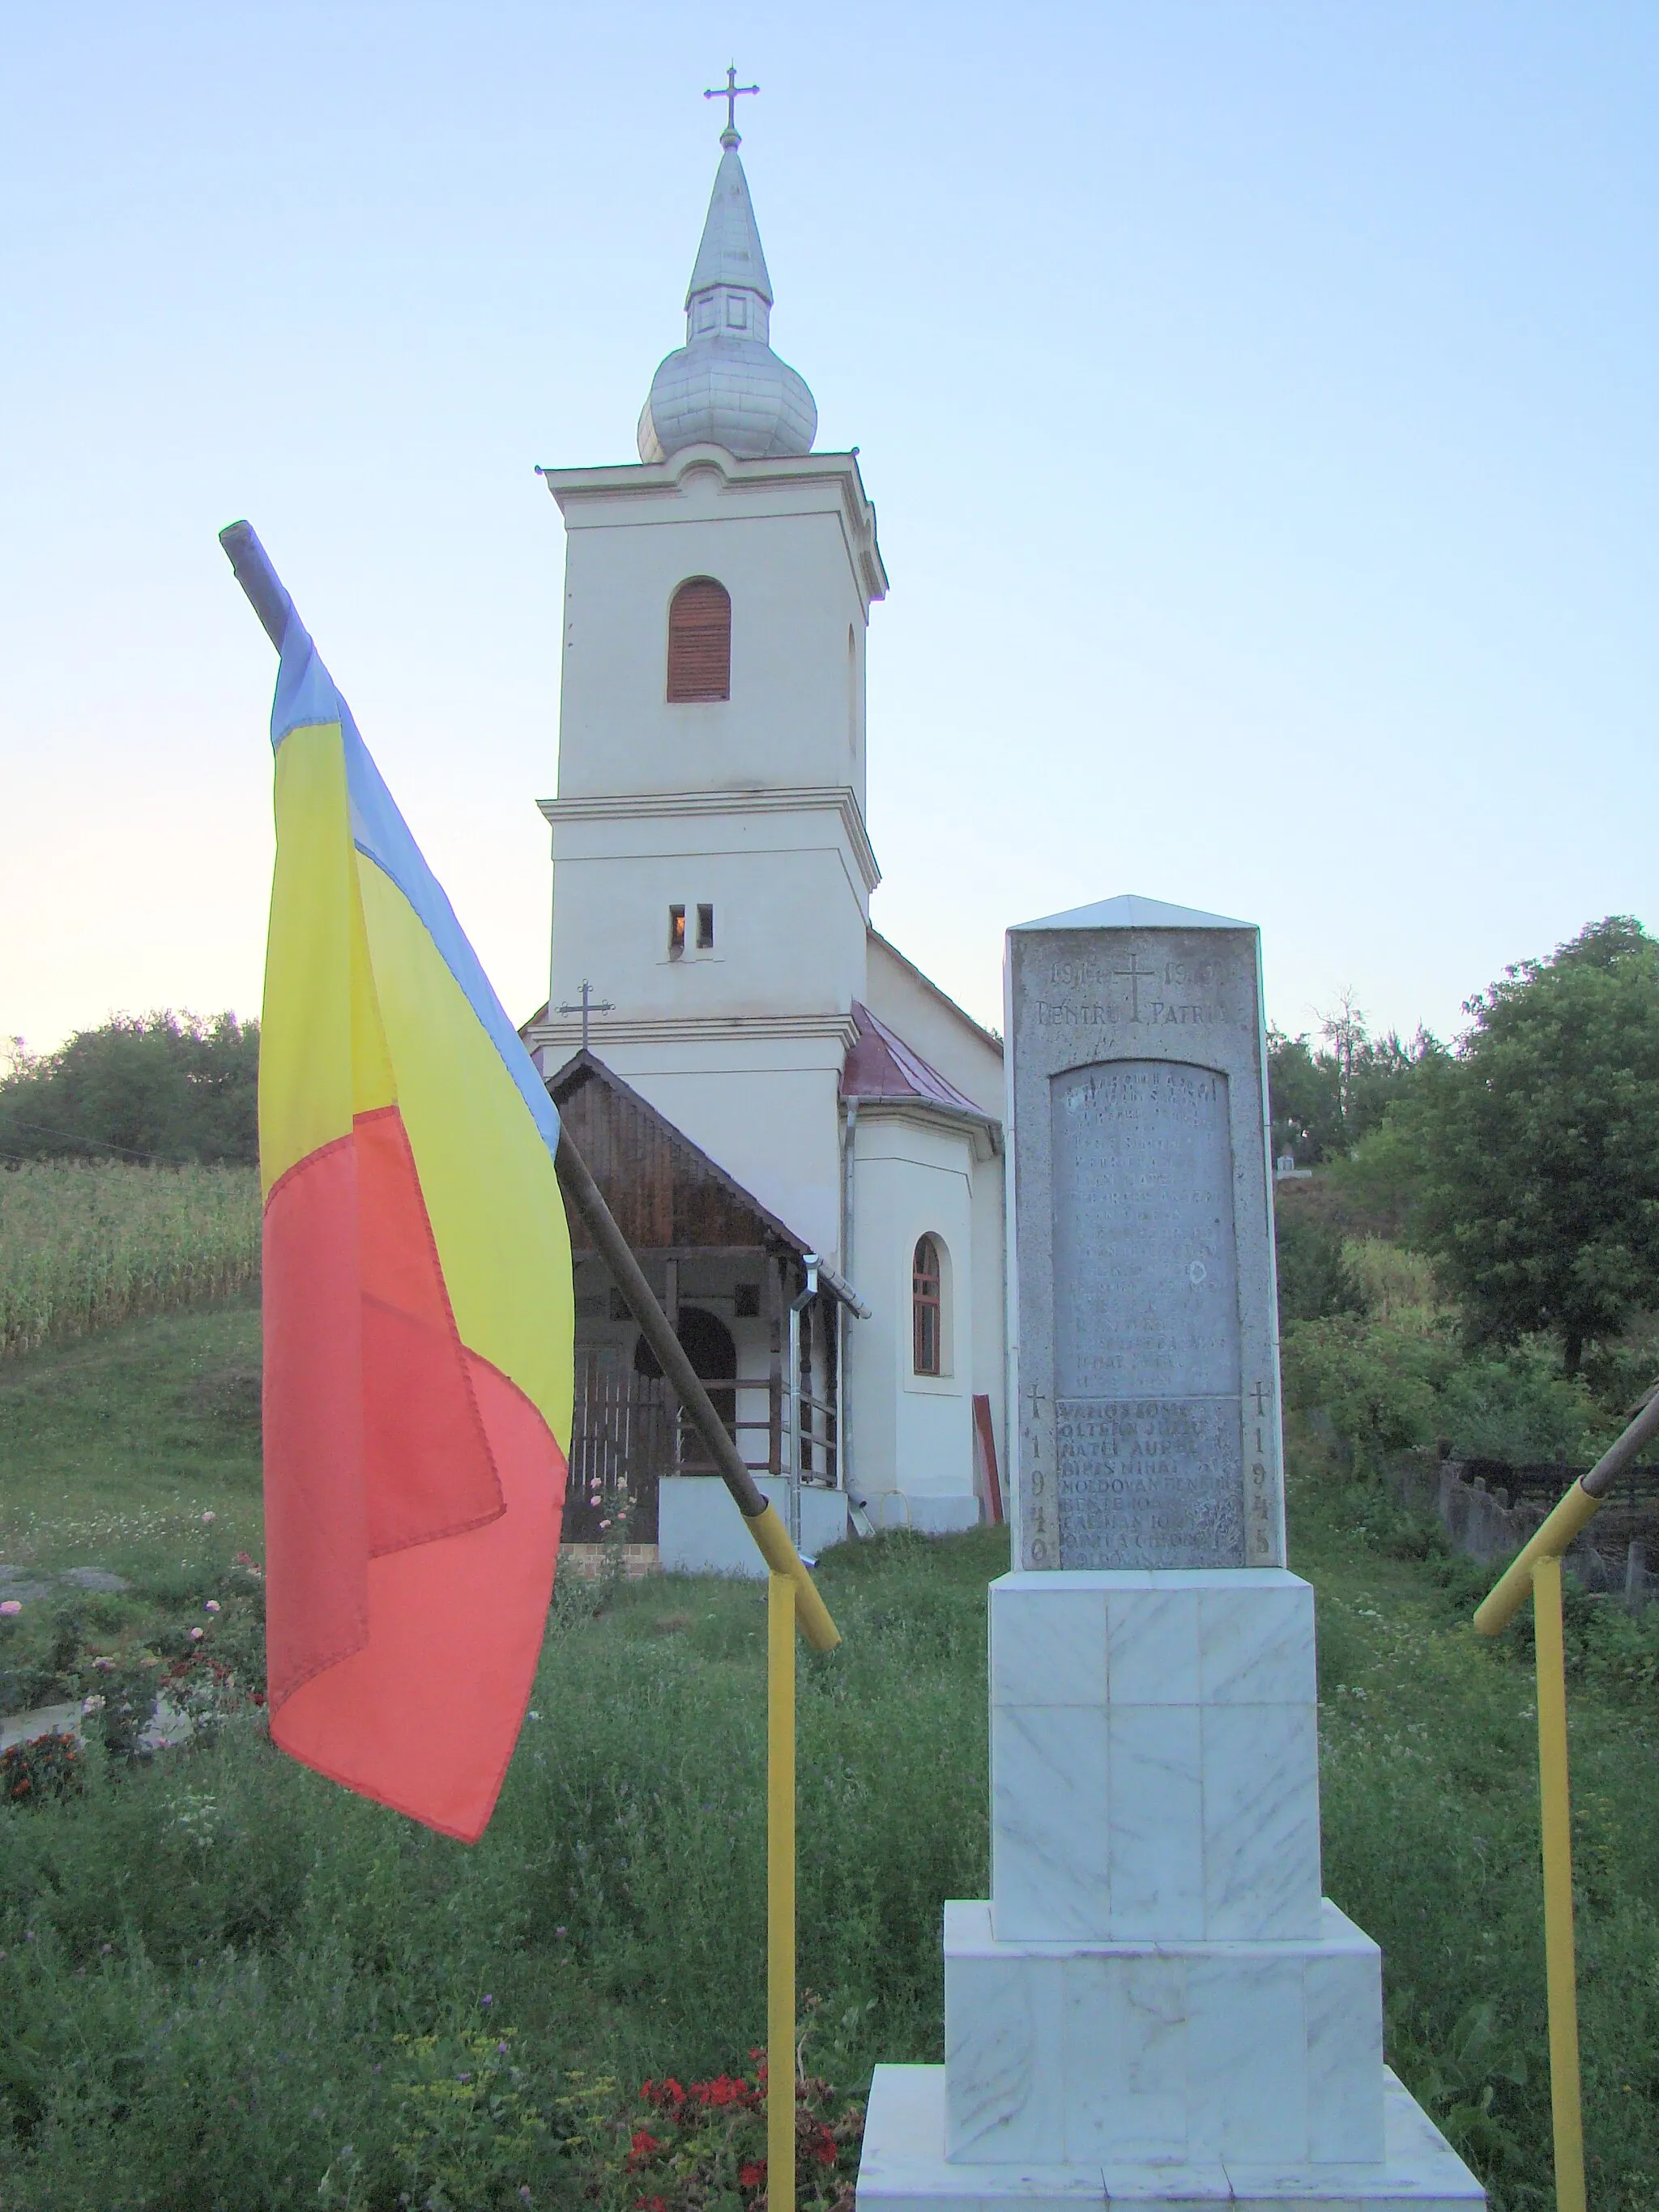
x: 712, y: 868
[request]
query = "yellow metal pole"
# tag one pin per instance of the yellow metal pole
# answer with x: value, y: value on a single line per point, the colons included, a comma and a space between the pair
x: 1565, y: 2106
x: 782, y: 1594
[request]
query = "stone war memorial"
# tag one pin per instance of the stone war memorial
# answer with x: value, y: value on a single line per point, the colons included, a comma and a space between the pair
x: 1155, y: 2005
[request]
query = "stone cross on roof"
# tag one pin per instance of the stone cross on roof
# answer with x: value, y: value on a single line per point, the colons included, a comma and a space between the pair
x: 731, y: 92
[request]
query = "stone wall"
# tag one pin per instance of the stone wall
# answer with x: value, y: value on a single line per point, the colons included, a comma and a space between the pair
x: 1479, y: 1523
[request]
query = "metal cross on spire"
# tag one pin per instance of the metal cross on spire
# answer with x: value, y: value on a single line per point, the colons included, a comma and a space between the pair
x: 731, y: 92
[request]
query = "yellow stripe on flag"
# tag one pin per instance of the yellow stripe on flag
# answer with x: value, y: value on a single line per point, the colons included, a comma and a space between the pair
x: 486, y: 1174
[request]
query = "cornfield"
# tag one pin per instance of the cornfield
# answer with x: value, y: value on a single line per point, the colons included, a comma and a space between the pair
x: 85, y: 1244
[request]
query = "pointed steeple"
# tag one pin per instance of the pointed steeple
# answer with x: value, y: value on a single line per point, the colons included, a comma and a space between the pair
x: 731, y: 251
x: 724, y: 386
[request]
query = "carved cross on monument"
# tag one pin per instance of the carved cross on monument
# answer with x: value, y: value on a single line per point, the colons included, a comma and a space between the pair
x: 588, y: 1003
x: 1134, y: 975
x: 731, y: 92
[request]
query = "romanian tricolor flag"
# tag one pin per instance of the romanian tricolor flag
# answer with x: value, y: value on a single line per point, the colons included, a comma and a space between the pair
x: 417, y: 1301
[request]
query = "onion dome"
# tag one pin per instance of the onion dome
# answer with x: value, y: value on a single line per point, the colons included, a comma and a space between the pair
x: 724, y: 386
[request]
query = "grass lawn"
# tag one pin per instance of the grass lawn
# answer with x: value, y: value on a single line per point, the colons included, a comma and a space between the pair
x: 224, y: 1984
x: 111, y: 1443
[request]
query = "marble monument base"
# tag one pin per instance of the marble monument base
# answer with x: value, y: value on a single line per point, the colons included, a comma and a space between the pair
x: 905, y: 2168
x: 1155, y: 2005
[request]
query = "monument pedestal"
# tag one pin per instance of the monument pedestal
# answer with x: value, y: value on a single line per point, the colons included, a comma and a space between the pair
x: 1155, y: 2005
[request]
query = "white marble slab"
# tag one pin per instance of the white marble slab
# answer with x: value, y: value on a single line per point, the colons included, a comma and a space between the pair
x: 1261, y: 1765
x: 1047, y: 1641
x: 1155, y: 1827
x: 1155, y: 2051
x: 1049, y: 1809
x: 1256, y: 1642
x: 1151, y: 1641
x: 903, y: 2168
x: 1195, y: 1813
x: 1004, y: 2039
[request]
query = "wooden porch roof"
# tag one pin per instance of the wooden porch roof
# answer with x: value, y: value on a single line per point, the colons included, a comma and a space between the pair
x: 665, y: 1192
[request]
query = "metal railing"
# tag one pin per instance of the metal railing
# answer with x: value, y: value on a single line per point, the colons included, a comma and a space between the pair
x: 1537, y: 1568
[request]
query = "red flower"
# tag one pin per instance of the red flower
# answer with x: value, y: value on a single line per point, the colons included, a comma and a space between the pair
x: 650, y: 2204
x: 753, y: 2174
x: 668, y: 2094
x: 824, y: 2149
x: 644, y: 2146
x: 722, y: 2090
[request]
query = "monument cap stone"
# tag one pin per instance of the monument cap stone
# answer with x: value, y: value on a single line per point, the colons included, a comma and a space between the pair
x: 1144, y: 1306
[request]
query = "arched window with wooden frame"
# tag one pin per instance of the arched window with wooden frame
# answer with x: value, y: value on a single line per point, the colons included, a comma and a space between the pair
x: 927, y: 1281
x: 700, y: 641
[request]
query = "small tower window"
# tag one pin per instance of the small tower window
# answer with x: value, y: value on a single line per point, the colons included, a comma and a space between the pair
x: 705, y: 929
x: 676, y: 931
x: 924, y: 1306
x: 700, y: 641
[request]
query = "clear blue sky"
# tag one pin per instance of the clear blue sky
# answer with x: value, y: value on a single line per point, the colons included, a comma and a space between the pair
x: 1258, y: 401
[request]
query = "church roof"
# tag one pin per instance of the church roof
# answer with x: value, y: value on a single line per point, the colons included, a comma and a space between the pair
x: 665, y: 1192
x: 881, y: 1066
x: 731, y: 250
x: 724, y: 386
x: 1131, y: 912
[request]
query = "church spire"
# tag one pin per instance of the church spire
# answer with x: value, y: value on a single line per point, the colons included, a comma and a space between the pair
x: 730, y: 253
x: 724, y: 386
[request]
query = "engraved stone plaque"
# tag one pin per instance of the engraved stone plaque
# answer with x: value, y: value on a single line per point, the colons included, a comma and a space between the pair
x: 1143, y: 1307
x: 1147, y: 1358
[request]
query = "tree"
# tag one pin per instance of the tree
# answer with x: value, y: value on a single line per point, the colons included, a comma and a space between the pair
x: 1325, y: 1103
x: 1540, y: 1145
x: 159, y: 1087
x: 1305, y: 1099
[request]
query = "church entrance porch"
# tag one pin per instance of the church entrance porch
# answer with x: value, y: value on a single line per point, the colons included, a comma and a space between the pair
x: 727, y: 1273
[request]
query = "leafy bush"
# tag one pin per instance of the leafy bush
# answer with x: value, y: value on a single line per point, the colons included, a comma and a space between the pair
x: 1314, y: 1278
x: 1520, y: 1408
x: 1385, y: 1386
x: 1394, y: 1284
x: 160, y: 1087
x: 40, y: 1768
x: 1376, y: 1384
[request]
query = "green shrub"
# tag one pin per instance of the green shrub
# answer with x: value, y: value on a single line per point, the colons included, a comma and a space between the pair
x: 1519, y: 1408
x: 41, y: 1767
x: 1314, y: 1280
x: 1378, y: 1384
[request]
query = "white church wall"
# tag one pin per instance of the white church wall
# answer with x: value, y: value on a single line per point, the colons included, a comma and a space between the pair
x: 788, y: 926
x: 933, y: 1025
x: 911, y: 1433
x: 776, y: 535
x: 764, y: 1110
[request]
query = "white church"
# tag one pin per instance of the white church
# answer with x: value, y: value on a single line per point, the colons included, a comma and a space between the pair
x: 758, y: 1080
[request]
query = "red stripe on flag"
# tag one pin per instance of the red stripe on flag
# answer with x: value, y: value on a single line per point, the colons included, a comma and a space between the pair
x: 386, y: 1441
x: 428, y: 1469
x: 425, y: 1717
x: 316, y: 1508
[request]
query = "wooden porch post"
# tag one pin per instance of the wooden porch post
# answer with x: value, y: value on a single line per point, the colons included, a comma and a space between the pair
x: 774, y: 1320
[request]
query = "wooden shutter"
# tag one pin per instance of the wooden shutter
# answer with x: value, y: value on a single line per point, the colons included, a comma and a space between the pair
x: 700, y: 641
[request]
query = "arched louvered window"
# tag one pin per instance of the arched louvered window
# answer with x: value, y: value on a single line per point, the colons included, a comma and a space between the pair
x: 700, y: 641
x: 924, y: 1277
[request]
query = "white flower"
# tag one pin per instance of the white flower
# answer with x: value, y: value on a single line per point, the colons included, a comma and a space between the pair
x: 92, y: 1705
